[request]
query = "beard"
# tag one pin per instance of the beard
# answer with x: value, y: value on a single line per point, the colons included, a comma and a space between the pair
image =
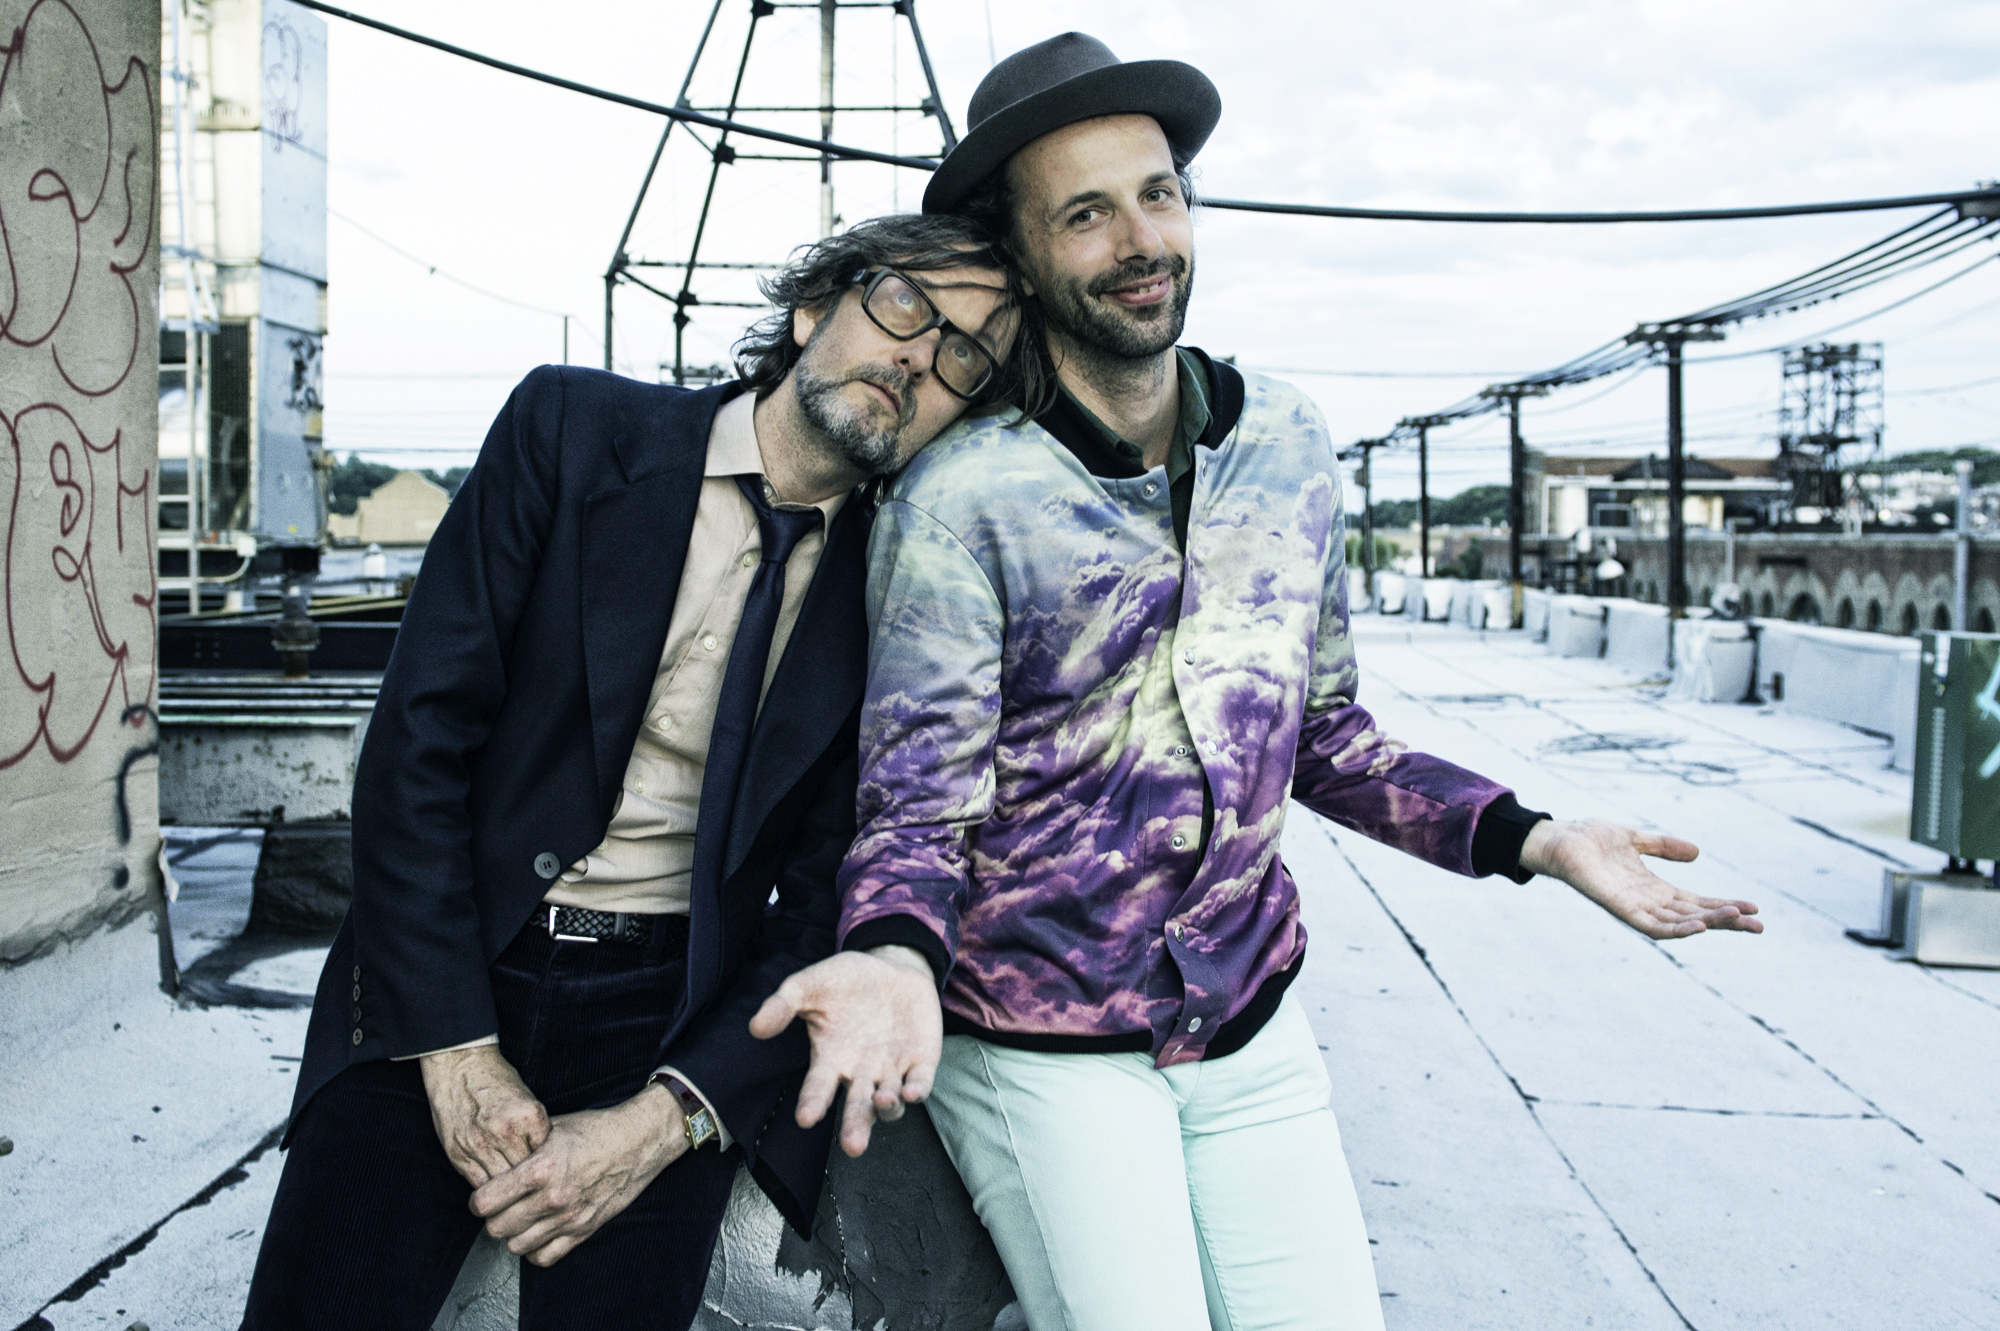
x: 857, y: 434
x: 1072, y: 309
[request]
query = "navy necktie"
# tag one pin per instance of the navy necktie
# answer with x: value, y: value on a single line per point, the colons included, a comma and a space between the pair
x: 743, y: 681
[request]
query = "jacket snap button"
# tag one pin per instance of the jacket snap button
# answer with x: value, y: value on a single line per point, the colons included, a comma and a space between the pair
x: 1180, y: 843
x: 546, y: 865
x: 357, y: 1037
x: 1194, y: 1025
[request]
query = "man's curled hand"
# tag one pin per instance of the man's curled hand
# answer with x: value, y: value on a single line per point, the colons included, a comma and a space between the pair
x: 592, y: 1165
x: 486, y: 1118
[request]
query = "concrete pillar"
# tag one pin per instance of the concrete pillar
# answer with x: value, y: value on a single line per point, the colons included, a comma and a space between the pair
x: 79, y: 429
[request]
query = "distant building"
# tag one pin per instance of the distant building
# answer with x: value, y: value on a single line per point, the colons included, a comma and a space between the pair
x: 1630, y: 494
x: 404, y: 510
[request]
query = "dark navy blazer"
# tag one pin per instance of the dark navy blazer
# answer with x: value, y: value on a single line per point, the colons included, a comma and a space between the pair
x: 506, y: 719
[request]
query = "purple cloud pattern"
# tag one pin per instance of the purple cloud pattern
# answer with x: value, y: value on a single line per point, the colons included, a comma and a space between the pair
x: 1050, y: 685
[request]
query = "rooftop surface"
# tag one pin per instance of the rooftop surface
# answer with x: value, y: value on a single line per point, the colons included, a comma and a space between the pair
x: 1552, y: 1121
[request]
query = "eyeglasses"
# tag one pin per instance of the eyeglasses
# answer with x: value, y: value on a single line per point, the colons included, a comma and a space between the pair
x: 899, y: 307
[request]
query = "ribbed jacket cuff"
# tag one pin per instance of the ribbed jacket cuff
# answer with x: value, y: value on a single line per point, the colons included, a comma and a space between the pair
x: 1497, y: 839
x: 902, y: 931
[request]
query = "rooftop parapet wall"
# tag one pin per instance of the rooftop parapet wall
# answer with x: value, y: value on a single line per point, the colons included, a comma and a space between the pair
x: 79, y: 202
x: 1831, y: 579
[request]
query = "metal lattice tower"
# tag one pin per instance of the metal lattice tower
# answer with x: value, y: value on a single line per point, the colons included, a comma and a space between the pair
x: 1831, y: 419
x: 675, y: 280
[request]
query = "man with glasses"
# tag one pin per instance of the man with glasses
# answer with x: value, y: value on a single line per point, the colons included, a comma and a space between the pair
x: 597, y: 817
x: 1110, y: 645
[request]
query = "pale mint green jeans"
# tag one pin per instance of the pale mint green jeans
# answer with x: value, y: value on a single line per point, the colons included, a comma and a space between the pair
x: 1210, y: 1196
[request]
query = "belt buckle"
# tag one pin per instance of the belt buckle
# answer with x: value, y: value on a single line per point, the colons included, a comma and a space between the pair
x: 565, y: 938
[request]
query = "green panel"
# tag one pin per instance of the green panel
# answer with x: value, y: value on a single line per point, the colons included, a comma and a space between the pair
x: 1975, y: 669
x: 1955, y: 798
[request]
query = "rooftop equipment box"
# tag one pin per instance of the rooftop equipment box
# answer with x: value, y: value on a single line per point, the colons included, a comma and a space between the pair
x: 1955, y: 799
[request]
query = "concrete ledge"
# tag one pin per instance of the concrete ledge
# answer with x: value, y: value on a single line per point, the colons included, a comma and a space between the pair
x: 1635, y: 635
x: 1576, y: 627
x: 1864, y: 680
x: 1714, y: 661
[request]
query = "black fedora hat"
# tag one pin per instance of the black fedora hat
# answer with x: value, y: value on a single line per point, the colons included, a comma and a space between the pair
x: 1059, y: 82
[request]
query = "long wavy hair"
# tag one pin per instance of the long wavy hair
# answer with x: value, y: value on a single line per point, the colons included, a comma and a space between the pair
x: 817, y: 275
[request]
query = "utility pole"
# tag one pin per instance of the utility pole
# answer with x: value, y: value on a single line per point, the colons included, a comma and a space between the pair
x: 1422, y: 425
x: 1672, y: 337
x: 1961, y: 551
x: 826, y: 12
x: 1367, y: 448
x: 1517, y: 482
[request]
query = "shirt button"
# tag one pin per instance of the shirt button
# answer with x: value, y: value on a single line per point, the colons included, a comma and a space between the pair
x: 357, y: 993
x: 357, y: 1035
x: 664, y: 724
x: 357, y: 975
x: 1180, y: 843
x: 357, y: 1014
x: 1188, y: 656
x: 638, y: 787
x: 709, y: 642
x: 749, y: 559
x: 1194, y: 1024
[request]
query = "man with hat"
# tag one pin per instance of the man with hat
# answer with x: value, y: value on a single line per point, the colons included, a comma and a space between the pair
x: 1109, y: 645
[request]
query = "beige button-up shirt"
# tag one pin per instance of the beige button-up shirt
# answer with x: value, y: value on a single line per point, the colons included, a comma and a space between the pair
x: 646, y: 858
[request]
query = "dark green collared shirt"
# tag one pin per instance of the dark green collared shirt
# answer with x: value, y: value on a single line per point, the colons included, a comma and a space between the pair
x: 1193, y: 424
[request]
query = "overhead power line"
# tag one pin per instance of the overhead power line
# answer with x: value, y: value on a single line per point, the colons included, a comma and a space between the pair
x: 680, y: 113
x: 1926, y: 241
x: 436, y: 271
x: 1983, y: 202
x: 1974, y: 197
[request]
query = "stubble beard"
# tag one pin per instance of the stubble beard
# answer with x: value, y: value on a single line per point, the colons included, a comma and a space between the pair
x: 1078, y: 317
x: 857, y: 434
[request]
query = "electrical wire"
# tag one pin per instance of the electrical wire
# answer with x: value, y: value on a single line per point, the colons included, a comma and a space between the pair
x: 1573, y: 219
x: 1859, y: 319
x: 1948, y: 388
x: 1984, y: 196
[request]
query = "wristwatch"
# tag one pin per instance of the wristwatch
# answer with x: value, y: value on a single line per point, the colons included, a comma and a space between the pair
x: 701, y: 1125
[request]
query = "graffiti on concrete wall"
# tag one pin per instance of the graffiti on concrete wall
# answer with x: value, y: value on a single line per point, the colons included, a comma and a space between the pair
x: 78, y: 200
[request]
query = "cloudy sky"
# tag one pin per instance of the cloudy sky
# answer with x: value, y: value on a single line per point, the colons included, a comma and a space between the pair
x: 520, y: 190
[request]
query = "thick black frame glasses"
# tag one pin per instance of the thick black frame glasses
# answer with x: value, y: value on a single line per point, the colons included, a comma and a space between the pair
x: 907, y: 318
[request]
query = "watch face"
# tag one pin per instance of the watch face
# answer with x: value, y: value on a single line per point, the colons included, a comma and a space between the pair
x: 701, y: 1128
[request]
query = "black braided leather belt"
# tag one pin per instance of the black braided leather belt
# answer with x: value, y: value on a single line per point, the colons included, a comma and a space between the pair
x: 574, y: 924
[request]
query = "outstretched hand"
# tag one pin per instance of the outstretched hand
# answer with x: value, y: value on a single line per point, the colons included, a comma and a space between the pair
x: 876, y: 1028
x: 1604, y: 861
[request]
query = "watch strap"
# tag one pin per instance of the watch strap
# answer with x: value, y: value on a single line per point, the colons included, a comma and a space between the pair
x: 701, y: 1125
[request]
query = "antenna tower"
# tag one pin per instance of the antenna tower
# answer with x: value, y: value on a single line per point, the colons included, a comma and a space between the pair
x: 729, y: 92
x: 1830, y: 421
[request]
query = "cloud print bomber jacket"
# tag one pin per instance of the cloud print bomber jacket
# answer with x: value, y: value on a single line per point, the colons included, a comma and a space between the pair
x: 1051, y: 687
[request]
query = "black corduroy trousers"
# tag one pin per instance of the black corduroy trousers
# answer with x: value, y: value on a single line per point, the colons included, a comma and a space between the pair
x: 371, y: 1224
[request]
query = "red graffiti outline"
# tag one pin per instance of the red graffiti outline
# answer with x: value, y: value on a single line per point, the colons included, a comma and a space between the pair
x: 81, y: 570
x: 46, y: 186
x: 78, y: 495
